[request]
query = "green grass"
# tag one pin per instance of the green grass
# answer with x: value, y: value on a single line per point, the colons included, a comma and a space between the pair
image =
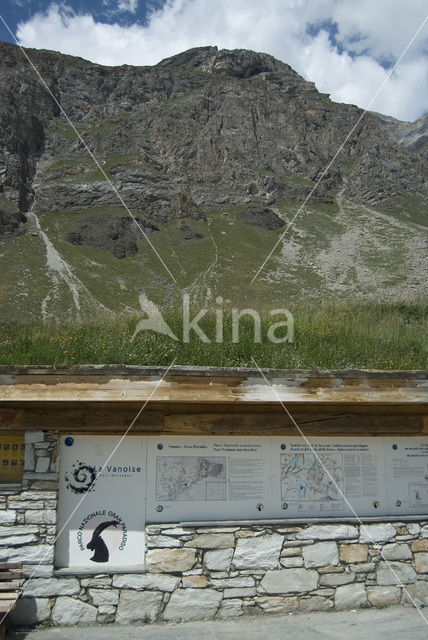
x: 366, y: 336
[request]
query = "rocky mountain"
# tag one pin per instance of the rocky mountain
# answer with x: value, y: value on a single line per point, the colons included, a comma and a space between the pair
x: 413, y: 135
x: 213, y: 152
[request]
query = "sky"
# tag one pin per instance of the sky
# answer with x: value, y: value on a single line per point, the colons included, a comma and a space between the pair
x: 346, y: 47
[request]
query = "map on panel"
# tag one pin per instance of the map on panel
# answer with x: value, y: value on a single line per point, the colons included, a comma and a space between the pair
x: 190, y: 478
x: 304, y: 477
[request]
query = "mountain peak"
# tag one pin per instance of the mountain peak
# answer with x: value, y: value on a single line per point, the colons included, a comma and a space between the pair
x: 237, y: 63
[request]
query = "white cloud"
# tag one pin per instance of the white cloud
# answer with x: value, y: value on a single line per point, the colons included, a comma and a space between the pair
x: 368, y: 32
x: 128, y: 5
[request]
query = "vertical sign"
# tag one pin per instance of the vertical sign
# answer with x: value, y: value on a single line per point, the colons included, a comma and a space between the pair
x: 208, y: 478
x: 101, y: 504
x: 12, y: 449
x: 328, y: 478
x: 407, y: 468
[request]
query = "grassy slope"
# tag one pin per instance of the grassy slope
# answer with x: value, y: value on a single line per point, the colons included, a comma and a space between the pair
x: 367, y: 336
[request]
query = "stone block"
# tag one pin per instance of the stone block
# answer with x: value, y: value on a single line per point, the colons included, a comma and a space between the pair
x: 162, y: 541
x: 363, y: 567
x: 321, y: 554
x: 96, y: 582
x: 7, y: 517
x: 30, y: 611
x: 383, y: 596
x: 336, y: 579
x: 102, y: 597
x: 212, y: 541
x: 239, y: 593
x: 106, y: 610
x: 146, y: 581
x: 37, y: 570
x: 294, y: 561
x: 37, y: 496
x: 421, y: 562
x: 170, y: 560
x: 395, y: 573
x: 29, y: 458
x: 277, y: 604
x: 43, y: 464
x: 418, y: 592
x: 229, y: 609
x: 289, y: 581
x: 256, y: 553
x: 413, y: 528
x: 192, y: 604
x: 71, y: 612
x: 315, y: 603
x: 328, y: 532
x: 137, y: 606
x: 351, y: 553
x: 218, y: 560
x: 382, y: 532
x: 15, y: 541
x: 18, y: 530
x: 291, y: 551
x: 34, y: 436
x: 396, y: 551
x: 35, y: 553
x: 44, y: 516
x: 350, y: 596
x: 420, y: 545
x: 49, y: 587
x: 238, y: 581
x: 197, y: 582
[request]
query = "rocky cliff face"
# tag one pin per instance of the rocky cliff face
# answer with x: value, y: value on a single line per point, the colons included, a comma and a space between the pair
x: 219, y: 128
x: 213, y: 152
x: 413, y: 135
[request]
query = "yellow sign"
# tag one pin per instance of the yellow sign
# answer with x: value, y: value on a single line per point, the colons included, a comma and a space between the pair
x: 11, y: 458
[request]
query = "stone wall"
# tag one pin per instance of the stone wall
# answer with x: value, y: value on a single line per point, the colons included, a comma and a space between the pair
x: 28, y: 512
x: 222, y: 572
x: 198, y: 572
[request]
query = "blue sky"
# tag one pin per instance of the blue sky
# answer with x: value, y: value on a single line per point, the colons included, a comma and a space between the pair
x: 346, y: 48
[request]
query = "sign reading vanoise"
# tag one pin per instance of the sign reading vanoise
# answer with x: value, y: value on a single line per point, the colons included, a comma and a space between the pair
x: 208, y: 478
x: 101, y: 502
x: 106, y: 494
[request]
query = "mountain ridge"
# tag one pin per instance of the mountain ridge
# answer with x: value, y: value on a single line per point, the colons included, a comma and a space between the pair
x: 202, y: 142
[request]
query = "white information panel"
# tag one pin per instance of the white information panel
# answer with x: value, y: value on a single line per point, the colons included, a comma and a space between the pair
x: 314, y: 481
x: 208, y: 478
x: 406, y: 461
x: 106, y: 528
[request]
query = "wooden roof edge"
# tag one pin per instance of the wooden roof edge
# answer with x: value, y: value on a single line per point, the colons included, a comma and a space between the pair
x: 200, y: 371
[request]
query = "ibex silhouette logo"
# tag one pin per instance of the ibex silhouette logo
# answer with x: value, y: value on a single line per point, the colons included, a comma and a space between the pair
x: 102, y: 532
x: 97, y: 544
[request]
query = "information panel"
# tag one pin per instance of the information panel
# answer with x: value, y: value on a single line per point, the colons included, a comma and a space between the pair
x: 332, y: 477
x: 101, y: 502
x: 208, y: 478
x: 406, y: 460
x: 11, y: 458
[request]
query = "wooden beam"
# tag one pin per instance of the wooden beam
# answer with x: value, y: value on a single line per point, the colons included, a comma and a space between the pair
x: 79, y: 418
x: 292, y: 388
x: 280, y: 424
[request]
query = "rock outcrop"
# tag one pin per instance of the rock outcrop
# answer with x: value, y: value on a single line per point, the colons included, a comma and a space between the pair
x: 202, y: 130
